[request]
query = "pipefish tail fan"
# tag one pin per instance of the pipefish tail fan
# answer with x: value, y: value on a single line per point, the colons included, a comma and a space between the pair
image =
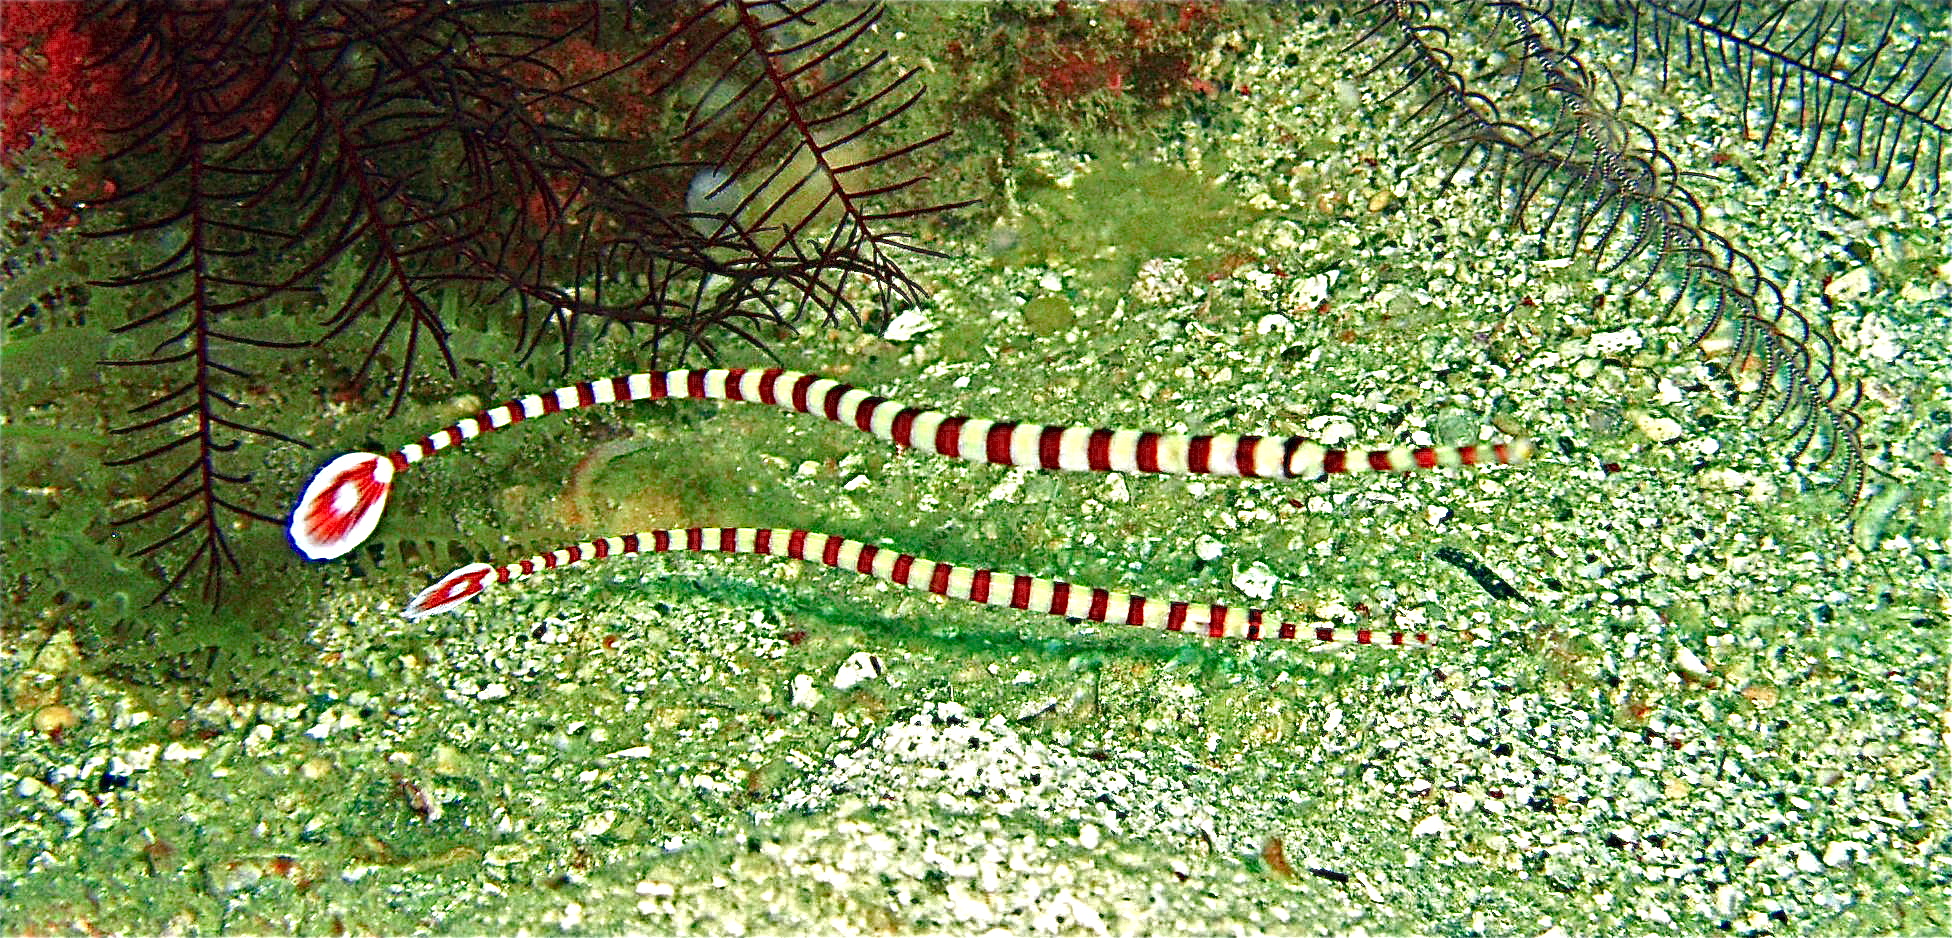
x: 342, y: 505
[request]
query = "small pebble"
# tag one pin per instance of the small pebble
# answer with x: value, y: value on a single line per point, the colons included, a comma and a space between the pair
x: 55, y: 718
x: 1658, y: 429
x: 1690, y: 664
x: 1257, y: 581
x: 805, y: 695
x: 859, y: 668
x: 1853, y: 284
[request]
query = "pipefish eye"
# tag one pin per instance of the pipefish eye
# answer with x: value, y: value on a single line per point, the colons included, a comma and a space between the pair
x: 712, y: 200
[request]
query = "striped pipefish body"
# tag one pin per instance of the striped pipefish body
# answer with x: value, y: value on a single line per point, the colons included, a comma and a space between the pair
x: 342, y: 504
x: 972, y: 584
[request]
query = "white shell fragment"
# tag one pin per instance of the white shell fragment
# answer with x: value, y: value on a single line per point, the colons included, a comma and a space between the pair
x: 859, y: 668
x: 1690, y: 665
x: 1658, y: 429
x: 805, y: 695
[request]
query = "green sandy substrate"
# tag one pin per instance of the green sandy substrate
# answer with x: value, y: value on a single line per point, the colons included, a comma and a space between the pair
x: 1714, y: 709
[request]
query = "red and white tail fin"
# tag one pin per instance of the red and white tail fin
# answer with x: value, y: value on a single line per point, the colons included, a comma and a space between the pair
x: 342, y: 505
x: 452, y: 590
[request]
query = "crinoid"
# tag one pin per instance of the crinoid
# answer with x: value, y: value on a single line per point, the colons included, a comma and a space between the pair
x: 342, y: 505
x: 306, y: 173
x: 1552, y: 130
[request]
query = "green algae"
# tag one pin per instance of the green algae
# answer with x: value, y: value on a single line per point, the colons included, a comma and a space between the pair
x: 652, y: 744
x: 1108, y: 219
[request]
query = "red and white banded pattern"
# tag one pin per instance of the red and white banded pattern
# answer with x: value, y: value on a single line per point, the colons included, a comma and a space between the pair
x: 342, y: 504
x: 1036, y: 594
